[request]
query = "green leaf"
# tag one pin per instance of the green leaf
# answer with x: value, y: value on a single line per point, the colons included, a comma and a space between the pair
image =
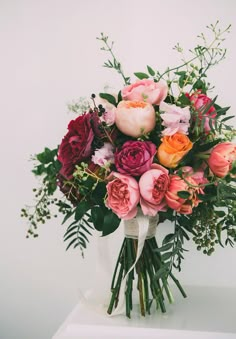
x: 111, y: 223
x: 169, y: 237
x: 119, y: 97
x: 164, y: 248
x: 141, y: 75
x: 183, y: 194
x: 151, y: 71
x: 220, y: 214
x: 184, y: 100
x: 46, y: 156
x: 71, y: 243
x: 68, y: 215
x: 97, y: 217
x: 81, y: 209
x: 69, y: 235
x: 109, y: 98
x: 166, y: 256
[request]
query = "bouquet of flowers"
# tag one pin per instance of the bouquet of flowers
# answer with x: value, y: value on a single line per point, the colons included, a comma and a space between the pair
x: 159, y: 149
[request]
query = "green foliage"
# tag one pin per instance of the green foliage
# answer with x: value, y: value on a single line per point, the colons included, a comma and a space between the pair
x: 110, y: 98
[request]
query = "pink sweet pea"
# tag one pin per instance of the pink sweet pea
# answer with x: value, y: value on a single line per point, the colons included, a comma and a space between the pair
x: 221, y: 158
x: 146, y: 90
x: 175, y: 119
x: 123, y: 195
x: 104, y: 156
x: 153, y: 185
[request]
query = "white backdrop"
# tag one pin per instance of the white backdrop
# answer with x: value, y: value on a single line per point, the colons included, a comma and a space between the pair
x: 49, y: 56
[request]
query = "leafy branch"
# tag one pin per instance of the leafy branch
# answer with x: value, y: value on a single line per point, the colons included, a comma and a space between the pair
x: 114, y: 63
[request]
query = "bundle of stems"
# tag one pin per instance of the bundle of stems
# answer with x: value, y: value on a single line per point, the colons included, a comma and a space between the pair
x: 152, y: 285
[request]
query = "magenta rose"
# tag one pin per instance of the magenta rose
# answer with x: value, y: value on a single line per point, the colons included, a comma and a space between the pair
x: 135, y: 157
x: 146, y: 90
x: 123, y: 195
x: 153, y: 185
x: 76, y: 145
x: 221, y: 159
x: 200, y: 102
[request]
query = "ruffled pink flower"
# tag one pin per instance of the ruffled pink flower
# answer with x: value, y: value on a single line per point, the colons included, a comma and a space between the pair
x: 153, y: 185
x: 221, y: 159
x: 104, y: 156
x: 175, y: 119
x: 146, y: 90
x: 123, y: 195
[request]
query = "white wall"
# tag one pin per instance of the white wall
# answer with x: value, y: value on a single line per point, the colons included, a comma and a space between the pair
x: 49, y: 56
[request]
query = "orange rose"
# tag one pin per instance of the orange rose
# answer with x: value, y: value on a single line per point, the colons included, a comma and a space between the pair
x: 173, y: 149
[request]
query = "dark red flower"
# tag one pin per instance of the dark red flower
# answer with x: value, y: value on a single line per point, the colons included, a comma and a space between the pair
x: 76, y: 145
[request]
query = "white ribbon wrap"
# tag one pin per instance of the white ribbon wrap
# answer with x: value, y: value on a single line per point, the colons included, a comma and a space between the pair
x: 141, y: 227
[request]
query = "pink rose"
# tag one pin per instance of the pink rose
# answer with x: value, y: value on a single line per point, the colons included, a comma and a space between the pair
x: 146, y: 90
x: 123, y: 195
x: 135, y: 157
x: 221, y: 158
x: 135, y: 118
x: 200, y: 102
x: 153, y: 185
x: 183, y: 205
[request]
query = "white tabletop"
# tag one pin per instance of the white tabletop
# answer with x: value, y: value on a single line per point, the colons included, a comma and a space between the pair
x: 208, y: 312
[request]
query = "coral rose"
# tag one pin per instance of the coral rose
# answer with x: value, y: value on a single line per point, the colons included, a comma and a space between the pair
x: 153, y: 185
x: 146, y: 90
x: 135, y: 118
x: 135, y: 157
x: 221, y: 158
x: 123, y: 195
x: 177, y: 203
x: 172, y: 149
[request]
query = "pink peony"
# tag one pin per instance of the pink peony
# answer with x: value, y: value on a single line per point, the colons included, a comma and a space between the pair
x: 135, y: 118
x: 146, y: 90
x: 153, y: 185
x: 200, y: 102
x: 104, y: 156
x: 123, y: 195
x: 221, y: 158
x: 135, y: 157
x: 175, y: 119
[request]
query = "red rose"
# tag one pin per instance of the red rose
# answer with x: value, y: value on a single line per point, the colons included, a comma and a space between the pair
x: 76, y: 145
x: 135, y: 157
x: 200, y: 102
